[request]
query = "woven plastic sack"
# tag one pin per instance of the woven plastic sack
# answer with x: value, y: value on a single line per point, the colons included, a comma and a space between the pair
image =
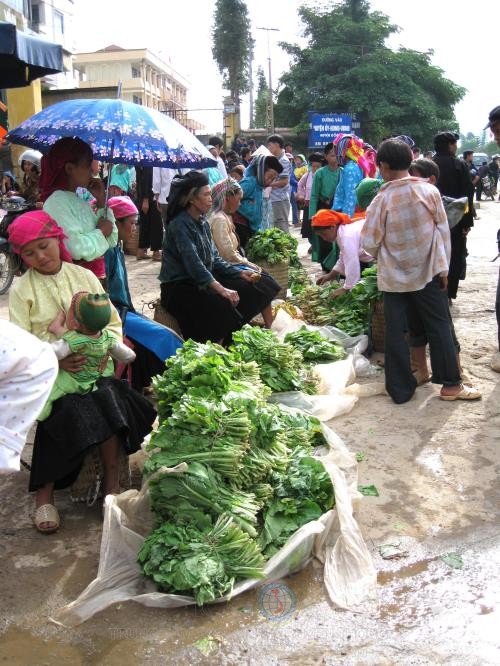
x: 334, y: 539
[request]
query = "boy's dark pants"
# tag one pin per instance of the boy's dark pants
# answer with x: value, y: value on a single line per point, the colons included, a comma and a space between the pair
x: 430, y: 304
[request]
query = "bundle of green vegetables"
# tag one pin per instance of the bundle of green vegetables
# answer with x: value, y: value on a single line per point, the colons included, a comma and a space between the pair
x: 349, y: 312
x: 244, y: 478
x: 281, y: 365
x: 203, y: 562
x: 298, y: 279
x: 316, y: 305
x: 303, y: 494
x: 272, y: 245
x: 314, y: 346
x: 204, y: 370
x: 352, y: 310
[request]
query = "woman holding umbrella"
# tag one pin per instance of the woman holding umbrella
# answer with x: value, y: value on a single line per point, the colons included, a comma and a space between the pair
x: 209, y: 297
x: 66, y: 167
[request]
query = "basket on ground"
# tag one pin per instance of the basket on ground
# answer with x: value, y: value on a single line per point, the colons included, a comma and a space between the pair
x: 165, y: 318
x: 279, y: 272
x: 377, y: 326
x: 88, y: 485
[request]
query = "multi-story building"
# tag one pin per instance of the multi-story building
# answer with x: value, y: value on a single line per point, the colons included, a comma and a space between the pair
x: 50, y: 19
x: 145, y: 79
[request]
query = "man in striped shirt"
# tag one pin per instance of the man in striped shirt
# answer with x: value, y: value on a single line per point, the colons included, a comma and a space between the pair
x: 406, y: 229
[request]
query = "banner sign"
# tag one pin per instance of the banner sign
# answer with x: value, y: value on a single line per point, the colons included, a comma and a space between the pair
x: 324, y: 127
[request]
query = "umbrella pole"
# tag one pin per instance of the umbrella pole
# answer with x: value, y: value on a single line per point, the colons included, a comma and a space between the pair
x: 108, y: 181
x: 118, y: 96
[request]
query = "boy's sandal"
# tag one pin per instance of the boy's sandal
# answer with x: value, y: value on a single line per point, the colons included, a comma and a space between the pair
x: 467, y: 393
x: 47, y: 513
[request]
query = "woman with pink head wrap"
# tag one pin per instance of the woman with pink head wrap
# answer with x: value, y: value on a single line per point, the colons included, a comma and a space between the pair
x: 34, y: 225
x: 110, y: 417
x: 152, y: 342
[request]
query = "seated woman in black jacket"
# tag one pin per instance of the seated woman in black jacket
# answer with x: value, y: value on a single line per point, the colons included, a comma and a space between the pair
x: 209, y: 297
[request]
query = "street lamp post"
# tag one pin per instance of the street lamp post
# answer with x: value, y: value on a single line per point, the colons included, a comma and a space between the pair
x: 271, y: 104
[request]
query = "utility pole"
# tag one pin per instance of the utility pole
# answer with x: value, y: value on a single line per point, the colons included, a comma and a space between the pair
x: 271, y: 104
x: 250, y: 74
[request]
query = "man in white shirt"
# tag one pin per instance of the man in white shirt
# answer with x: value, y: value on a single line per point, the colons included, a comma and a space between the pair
x: 280, y: 192
x: 218, y: 144
x: 162, y: 180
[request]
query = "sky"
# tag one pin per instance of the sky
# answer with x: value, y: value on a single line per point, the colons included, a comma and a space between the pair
x: 464, y: 39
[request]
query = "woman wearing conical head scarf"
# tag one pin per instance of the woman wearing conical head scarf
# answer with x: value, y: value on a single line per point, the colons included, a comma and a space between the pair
x: 260, y: 173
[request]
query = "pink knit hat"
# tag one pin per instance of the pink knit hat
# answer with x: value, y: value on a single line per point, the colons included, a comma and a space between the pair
x: 122, y: 207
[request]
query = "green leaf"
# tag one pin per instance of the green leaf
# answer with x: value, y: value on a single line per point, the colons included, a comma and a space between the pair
x: 453, y: 560
x: 208, y: 645
x: 369, y: 491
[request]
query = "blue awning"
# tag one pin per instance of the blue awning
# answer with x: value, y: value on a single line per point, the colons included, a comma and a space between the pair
x: 24, y: 58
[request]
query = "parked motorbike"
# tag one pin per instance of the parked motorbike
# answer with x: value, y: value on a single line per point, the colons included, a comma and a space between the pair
x: 10, y: 263
x: 488, y: 187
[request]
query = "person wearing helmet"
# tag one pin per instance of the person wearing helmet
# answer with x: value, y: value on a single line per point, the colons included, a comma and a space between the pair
x: 29, y: 162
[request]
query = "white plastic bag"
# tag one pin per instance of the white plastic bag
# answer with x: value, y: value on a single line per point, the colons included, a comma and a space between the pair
x: 323, y: 407
x: 335, y: 539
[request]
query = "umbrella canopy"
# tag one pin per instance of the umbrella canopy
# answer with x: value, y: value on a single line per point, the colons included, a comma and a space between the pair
x: 25, y: 58
x: 119, y: 132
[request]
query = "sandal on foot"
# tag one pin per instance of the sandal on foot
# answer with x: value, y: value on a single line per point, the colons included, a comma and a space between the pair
x: 47, y: 513
x: 467, y: 393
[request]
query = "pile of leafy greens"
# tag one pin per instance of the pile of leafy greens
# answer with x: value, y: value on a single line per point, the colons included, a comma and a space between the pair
x: 272, y: 245
x: 281, y: 365
x: 231, y: 476
x: 314, y: 346
x: 349, y: 312
x: 205, y: 563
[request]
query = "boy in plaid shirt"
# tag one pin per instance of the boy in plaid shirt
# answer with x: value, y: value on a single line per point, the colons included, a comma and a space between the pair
x: 406, y: 229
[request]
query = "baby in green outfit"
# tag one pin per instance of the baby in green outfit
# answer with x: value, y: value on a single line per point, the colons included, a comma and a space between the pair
x: 83, y: 331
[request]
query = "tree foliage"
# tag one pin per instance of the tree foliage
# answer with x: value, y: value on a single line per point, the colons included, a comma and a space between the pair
x: 479, y: 144
x: 261, y: 117
x: 347, y: 67
x: 232, y: 44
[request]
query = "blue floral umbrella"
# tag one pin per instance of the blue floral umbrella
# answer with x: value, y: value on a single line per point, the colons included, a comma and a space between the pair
x: 119, y: 132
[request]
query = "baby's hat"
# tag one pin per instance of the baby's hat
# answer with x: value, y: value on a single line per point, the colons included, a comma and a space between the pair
x: 92, y: 310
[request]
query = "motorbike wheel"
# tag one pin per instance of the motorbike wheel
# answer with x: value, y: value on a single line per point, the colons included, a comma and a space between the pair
x: 6, y: 271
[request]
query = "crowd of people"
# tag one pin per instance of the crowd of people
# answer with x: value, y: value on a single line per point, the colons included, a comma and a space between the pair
x: 358, y: 205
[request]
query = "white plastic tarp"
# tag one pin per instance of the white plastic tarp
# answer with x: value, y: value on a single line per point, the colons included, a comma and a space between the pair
x: 335, y: 539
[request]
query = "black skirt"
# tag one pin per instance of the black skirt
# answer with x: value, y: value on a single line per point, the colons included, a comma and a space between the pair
x: 204, y: 315
x: 306, y: 228
x: 78, y: 422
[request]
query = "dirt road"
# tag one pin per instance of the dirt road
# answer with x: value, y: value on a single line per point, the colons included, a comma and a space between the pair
x: 435, y: 465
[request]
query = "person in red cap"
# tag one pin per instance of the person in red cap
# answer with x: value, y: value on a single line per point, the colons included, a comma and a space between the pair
x: 332, y: 226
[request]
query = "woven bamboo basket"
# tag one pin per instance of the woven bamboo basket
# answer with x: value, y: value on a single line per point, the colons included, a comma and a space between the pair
x: 279, y: 272
x: 88, y: 485
x: 378, y: 326
x: 165, y: 318
x: 130, y: 246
